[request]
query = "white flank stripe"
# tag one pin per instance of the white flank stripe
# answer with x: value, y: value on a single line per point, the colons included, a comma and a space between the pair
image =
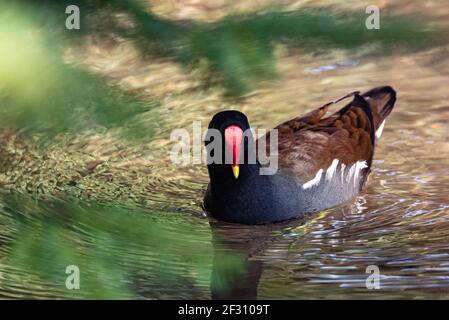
x: 351, y: 172
x: 331, y: 170
x: 314, y: 181
x: 380, y: 129
x: 360, y: 165
x: 343, y: 166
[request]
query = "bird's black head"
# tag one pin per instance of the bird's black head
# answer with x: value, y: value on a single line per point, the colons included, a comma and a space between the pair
x: 224, y: 119
x: 228, y: 142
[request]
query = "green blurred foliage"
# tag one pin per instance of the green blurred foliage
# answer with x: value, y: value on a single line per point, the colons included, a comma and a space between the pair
x: 240, y: 48
x: 40, y: 93
x: 118, y: 251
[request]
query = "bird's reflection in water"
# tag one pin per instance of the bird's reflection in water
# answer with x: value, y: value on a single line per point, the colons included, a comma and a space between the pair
x: 237, y: 278
x: 239, y: 250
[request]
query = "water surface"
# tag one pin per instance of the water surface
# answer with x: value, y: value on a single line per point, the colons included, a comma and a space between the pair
x: 168, y: 248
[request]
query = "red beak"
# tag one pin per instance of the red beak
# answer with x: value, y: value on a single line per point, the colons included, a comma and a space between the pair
x: 233, y: 141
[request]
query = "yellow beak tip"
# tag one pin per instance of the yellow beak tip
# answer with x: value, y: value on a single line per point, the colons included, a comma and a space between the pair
x: 235, y: 171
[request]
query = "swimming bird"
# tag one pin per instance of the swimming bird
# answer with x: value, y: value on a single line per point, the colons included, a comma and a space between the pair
x: 322, y: 161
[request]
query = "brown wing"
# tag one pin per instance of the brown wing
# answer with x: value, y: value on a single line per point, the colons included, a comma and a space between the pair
x: 309, y: 143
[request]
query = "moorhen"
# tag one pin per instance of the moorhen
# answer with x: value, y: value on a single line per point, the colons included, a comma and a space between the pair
x: 321, y: 161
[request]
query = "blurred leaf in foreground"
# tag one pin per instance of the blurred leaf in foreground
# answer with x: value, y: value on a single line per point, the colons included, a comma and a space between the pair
x: 117, y: 250
x: 39, y: 93
x: 240, y: 48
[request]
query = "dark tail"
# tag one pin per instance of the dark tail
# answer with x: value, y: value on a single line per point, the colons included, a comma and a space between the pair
x: 381, y: 101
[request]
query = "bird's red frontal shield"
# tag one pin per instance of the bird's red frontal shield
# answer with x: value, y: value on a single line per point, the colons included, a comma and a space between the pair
x: 233, y: 141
